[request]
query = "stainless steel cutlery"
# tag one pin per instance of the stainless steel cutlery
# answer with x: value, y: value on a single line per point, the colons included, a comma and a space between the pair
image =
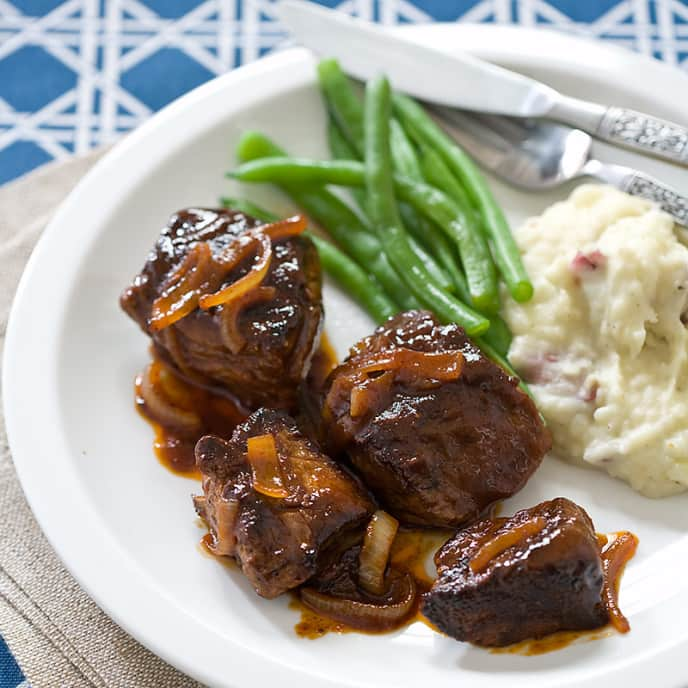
x: 466, y: 82
x: 537, y: 154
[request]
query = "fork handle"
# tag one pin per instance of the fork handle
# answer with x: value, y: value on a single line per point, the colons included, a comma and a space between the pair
x: 621, y: 127
x: 643, y: 185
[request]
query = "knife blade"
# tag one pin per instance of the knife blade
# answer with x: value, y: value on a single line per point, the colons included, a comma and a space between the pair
x: 460, y: 80
x: 365, y: 50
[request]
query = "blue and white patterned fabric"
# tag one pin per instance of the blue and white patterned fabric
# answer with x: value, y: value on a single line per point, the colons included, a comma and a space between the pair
x: 76, y: 74
x: 10, y: 674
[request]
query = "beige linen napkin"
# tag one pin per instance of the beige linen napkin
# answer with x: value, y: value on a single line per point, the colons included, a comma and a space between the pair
x: 58, y: 635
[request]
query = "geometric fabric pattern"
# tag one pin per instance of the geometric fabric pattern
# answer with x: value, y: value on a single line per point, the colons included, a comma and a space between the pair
x: 80, y: 73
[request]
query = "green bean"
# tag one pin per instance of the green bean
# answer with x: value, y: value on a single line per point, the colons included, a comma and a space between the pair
x: 437, y: 272
x: 286, y: 170
x: 404, y: 156
x: 498, y: 336
x: 461, y: 285
x: 506, y: 252
x: 429, y: 235
x: 342, y: 102
x: 437, y: 173
x: 364, y: 290
x: 348, y: 274
x: 490, y: 352
x: 333, y: 215
x: 475, y: 253
x: 406, y: 163
x: 354, y: 280
x: 341, y: 149
x: 385, y: 215
x: 434, y: 204
x: 254, y: 145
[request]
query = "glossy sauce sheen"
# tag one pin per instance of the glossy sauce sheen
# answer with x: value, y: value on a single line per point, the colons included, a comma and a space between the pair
x: 412, y: 550
x: 411, y: 553
x: 220, y: 414
x: 323, y: 363
x: 558, y: 641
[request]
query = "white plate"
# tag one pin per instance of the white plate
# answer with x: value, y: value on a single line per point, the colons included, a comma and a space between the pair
x: 125, y: 527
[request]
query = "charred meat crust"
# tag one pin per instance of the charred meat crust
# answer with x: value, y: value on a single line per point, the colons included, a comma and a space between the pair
x: 281, y: 334
x: 280, y: 542
x: 547, y: 582
x: 436, y: 453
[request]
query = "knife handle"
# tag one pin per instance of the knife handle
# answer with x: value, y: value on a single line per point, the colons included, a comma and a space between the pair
x: 619, y: 126
x: 646, y: 134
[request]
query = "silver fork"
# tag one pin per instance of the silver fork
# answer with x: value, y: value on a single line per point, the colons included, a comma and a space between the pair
x: 537, y: 154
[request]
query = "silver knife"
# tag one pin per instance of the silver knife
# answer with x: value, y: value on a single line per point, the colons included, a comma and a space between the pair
x: 461, y: 80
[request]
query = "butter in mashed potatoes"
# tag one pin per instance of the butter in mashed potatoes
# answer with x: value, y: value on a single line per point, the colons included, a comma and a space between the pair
x: 603, y: 344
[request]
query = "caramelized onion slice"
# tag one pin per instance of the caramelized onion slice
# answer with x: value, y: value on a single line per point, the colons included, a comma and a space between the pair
x: 366, y: 615
x: 240, y: 247
x: 222, y: 527
x: 290, y: 226
x: 405, y: 365
x: 162, y: 409
x: 502, y: 541
x: 377, y: 544
x: 614, y: 558
x: 181, y: 290
x: 199, y: 273
x: 264, y: 461
x: 444, y: 366
x: 249, y: 281
x: 602, y: 540
x: 174, y: 389
x: 229, y: 326
x: 369, y: 394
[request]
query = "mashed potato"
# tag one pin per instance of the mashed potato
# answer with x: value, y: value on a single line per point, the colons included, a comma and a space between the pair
x: 603, y: 344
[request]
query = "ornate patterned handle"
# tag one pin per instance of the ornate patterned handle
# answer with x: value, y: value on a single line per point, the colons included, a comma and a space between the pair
x: 639, y: 184
x: 644, y: 133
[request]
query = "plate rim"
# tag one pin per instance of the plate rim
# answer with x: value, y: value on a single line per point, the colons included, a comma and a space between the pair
x: 45, y: 501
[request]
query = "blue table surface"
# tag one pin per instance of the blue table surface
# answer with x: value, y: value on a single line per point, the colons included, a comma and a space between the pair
x: 78, y: 74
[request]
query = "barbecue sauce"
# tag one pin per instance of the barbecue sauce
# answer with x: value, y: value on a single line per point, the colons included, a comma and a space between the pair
x: 411, y: 553
x: 219, y: 415
x: 616, y: 551
x: 312, y: 625
x: 219, y: 412
x: 323, y: 363
x: 412, y: 549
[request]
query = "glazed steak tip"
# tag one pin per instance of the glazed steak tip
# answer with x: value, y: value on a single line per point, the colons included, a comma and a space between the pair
x: 279, y: 332
x: 435, y: 452
x: 279, y: 542
x: 547, y: 579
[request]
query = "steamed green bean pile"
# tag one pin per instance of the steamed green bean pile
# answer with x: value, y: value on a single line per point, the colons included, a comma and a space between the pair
x: 424, y: 230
